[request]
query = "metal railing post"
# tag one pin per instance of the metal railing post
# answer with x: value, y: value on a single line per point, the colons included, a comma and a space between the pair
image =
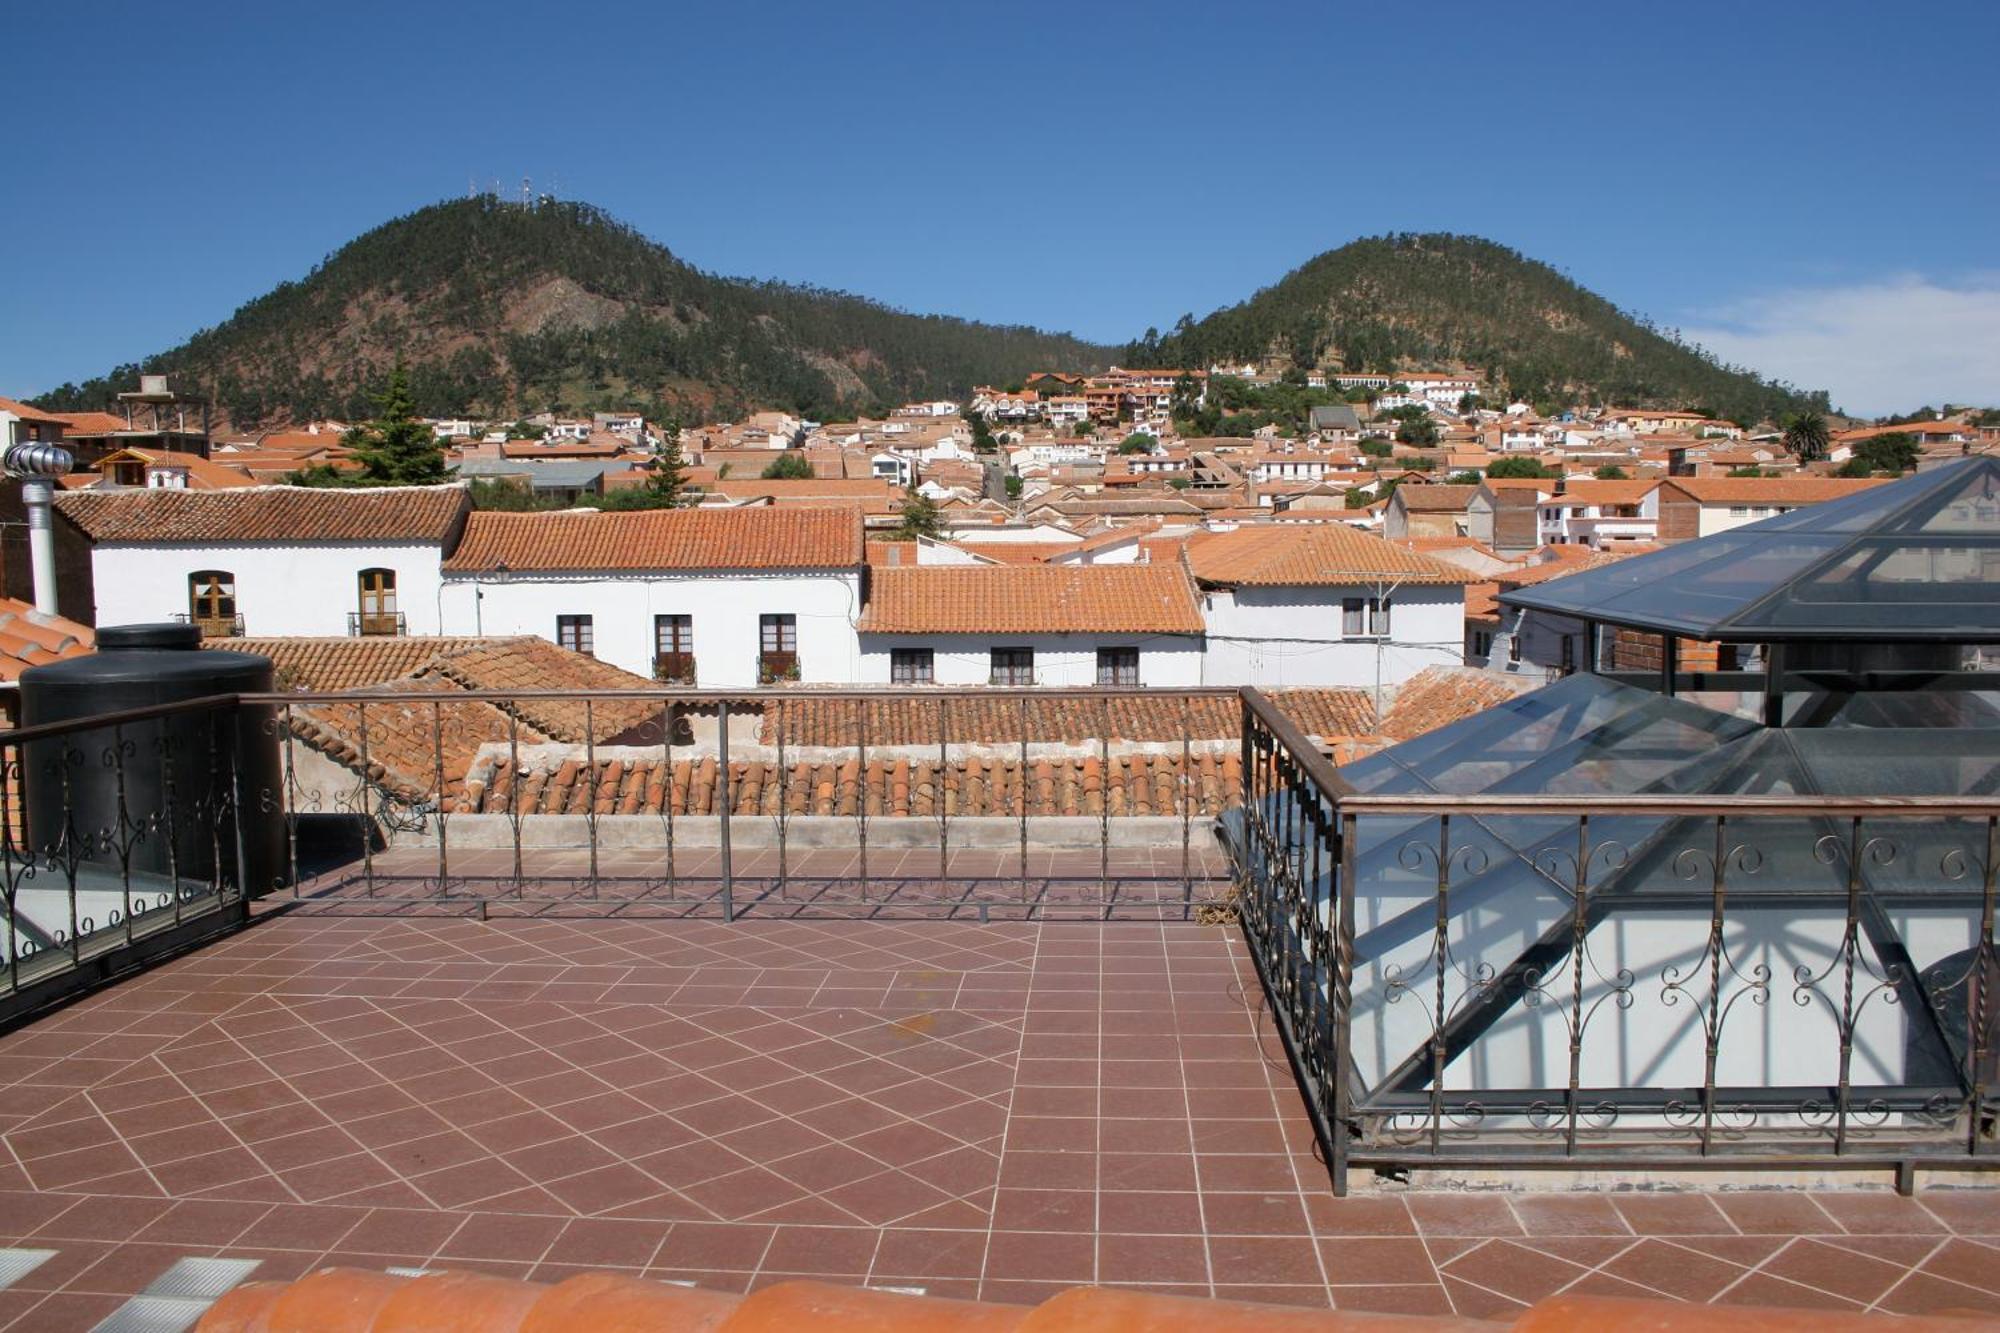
x: 722, y: 804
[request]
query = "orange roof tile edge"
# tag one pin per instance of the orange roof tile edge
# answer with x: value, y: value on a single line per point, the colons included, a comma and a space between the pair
x: 337, y: 1300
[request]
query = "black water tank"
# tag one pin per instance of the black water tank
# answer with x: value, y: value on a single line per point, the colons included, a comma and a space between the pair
x: 182, y: 772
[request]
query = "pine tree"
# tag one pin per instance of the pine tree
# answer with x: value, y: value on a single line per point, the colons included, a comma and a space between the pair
x: 396, y: 449
x: 669, y: 477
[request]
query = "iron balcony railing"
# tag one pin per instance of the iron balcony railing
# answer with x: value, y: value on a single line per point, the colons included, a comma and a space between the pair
x: 214, y: 627
x: 122, y: 840
x: 376, y: 624
x: 1630, y: 982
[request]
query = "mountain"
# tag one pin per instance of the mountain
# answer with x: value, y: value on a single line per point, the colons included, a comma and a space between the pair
x: 499, y: 308
x: 1408, y: 302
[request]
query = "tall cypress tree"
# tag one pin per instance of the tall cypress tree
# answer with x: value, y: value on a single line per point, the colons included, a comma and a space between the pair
x: 396, y: 449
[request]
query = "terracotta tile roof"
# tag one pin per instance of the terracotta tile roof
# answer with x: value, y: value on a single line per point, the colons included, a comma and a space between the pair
x: 28, y: 638
x: 288, y: 514
x: 1605, y: 492
x: 417, y: 751
x: 529, y: 663
x: 203, y: 474
x: 1032, y: 599
x: 1130, y: 784
x: 1769, y: 490
x: 1439, y: 695
x: 1571, y: 559
x: 35, y: 414
x: 1436, y: 498
x: 870, y: 495
x: 585, y: 540
x: 1301, y: 555
x: 92, y: 423
x: 914, y: 719
x: 315, y: 663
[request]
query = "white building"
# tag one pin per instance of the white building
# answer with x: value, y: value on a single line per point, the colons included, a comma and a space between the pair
x: 1601, y: 513
x: 1055, y: 625
x: 714, y: 597
x: 1324, y: 604
x: 270, y: 560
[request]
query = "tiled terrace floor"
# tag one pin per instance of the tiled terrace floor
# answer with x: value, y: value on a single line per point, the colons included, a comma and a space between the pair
x: 975, y: 1110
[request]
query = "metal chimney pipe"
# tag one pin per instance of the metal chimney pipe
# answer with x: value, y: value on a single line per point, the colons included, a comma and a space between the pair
x: 35, y: 464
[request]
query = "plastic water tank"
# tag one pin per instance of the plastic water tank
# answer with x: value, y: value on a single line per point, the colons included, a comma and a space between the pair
x: 176, y: 772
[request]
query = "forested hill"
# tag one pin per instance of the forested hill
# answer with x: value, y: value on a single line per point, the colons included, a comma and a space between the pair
x: 1408, y: 302
x: 499, y: 308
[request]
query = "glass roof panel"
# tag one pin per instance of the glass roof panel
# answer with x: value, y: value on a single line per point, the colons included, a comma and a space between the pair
x: 1917, y: 559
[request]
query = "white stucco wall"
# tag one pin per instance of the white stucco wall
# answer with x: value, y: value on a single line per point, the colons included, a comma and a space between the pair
x: 307, y: 588
x: 1292, y: 637
x: 725, y: 605
x: 1060, y: 659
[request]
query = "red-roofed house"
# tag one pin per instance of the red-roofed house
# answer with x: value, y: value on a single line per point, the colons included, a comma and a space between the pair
x: 718, y: 597
x: 1061, y: 625
x: 1323, y: 604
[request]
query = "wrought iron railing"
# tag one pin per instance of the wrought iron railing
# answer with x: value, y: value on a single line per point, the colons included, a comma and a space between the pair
x: 213, y: 627
x: 968, y: 802
x: 674, y: 668
x: 376, y: 624
x: 1633, y: 982
x: 120, y: 842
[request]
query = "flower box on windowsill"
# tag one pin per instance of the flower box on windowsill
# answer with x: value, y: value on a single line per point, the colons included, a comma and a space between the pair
x: 674, y: 668
x: 777, y: 668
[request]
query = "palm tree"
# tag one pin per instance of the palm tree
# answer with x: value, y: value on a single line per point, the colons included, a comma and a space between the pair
x: 1806, y: 436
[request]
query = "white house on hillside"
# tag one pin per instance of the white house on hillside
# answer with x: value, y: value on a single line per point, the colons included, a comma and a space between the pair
x: 270, y: 560
x: 710, y: 597
x: 1323, y: 604
x: 1061, y: 625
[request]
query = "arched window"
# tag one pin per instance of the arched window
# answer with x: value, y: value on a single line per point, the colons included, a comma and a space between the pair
x: 378, y: 603
x: 212, y: 603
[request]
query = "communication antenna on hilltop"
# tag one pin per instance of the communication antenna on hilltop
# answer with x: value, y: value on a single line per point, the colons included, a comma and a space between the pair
x: 555, y: 184
x: 471, y: 186
x: 527, y: 191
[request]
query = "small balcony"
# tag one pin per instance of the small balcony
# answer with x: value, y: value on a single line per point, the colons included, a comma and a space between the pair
x: 777, y: 668
x: 376, y: 625
x: 674, y: 668
x: 214, y: 627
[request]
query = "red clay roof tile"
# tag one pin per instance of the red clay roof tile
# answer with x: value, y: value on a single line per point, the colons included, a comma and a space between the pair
x: 268, y: 514
x: 1032, y: 599
x: 807, y: 537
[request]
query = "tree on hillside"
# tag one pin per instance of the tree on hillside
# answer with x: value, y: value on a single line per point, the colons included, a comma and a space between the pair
x: 788, y: 467
x: 396, y: 449
x: 1462, y: 479
x: 921, y: 518
x: 1806, y: 435
x: 1612, y: 472
x: 1138, y: 442
x: 1746, y: 472
x: 1517, y: 467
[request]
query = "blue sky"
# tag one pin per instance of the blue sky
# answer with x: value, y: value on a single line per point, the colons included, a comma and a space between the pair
x: 1813, y: 187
